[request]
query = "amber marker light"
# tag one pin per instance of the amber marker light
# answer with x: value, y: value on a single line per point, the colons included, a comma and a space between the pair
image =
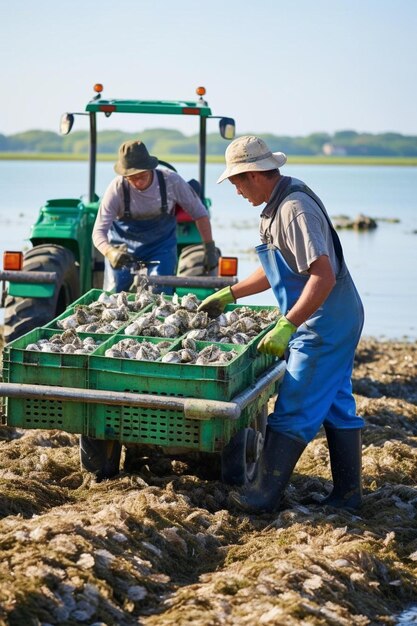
x: 12, y: 261
x: 98, y: 87
x: 228, y: 266
x: 200, y: 91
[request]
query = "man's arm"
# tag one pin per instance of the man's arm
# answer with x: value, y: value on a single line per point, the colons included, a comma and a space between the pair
x: 254, y: 283
x: 204, y: 228
x: 106, y: 214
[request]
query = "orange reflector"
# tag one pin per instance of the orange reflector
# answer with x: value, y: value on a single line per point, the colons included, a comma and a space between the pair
x: 98, y: 87
x: 191, y: 111
x: 107, y: 108
x: 12, y: 260
x: 200, y: 91
x: 228, y: 266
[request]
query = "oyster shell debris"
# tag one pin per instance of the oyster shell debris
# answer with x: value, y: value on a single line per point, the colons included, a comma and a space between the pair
x: 67, y: 343
x: 108, y: 312
x: 139, y: 350
x: 169, y: 317
x: 179, y: 317
x: 188, y: 354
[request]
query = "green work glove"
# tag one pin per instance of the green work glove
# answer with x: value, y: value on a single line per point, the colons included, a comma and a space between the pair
x: 215, y: 304
x: 118, y: 256
x: 276, y: 341
x: 211, y: 256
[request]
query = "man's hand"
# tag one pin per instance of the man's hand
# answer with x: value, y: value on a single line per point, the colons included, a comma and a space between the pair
x: 211, y: 256
x: 215, y: 304
x: 276, y: 341
x: 118, y: 256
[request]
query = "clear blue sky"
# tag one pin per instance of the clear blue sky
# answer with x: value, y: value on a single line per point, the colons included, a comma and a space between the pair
x: 289, y: 68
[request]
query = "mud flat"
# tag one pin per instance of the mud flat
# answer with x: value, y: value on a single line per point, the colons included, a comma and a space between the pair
x: 163, y: 547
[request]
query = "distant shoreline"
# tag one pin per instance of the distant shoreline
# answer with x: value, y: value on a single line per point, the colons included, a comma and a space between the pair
x: 180, y: 158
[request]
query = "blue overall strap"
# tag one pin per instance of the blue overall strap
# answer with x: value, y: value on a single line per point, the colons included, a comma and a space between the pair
x: 163, y: 191
x: 335, y: 237
x: 162, y: 188
x: 287, y: 188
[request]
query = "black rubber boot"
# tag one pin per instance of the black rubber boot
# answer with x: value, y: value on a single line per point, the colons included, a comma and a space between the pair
x: 345, y: 448
x: 276, y: 463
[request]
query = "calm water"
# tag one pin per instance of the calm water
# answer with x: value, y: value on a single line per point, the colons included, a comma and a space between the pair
x: 383, y: 262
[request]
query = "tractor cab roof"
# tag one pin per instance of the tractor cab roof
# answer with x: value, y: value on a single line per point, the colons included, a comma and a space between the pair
x: 170, y: 107
x: 167, y: 107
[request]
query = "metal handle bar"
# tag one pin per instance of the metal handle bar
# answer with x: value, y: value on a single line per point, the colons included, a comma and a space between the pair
x: 193, y: 281
x: 15, y: 276
x: 193, y: 408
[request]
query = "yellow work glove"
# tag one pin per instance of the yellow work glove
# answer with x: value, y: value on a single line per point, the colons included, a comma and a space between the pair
x: 118, y: 256
x: 217, y: 302
x: 276, y: 341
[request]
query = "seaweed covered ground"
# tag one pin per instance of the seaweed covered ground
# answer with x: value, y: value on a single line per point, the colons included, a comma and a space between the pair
x: 163, y: 547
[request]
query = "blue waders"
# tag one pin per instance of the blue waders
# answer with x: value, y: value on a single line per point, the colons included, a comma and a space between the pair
x: 147, y: 240
x: 316, y: 389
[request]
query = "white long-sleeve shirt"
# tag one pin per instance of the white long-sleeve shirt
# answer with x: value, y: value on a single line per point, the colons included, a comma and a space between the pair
x: 144, y: 204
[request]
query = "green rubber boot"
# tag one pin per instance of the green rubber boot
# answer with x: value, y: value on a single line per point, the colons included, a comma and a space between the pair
x: 345, y: 448
x: 276, y: 464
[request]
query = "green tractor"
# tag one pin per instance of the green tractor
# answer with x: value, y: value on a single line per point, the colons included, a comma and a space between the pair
x: 63, y: 263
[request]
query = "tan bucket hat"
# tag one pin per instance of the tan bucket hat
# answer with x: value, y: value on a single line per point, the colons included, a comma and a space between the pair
x: 134, y: 158
x: 249, y: 154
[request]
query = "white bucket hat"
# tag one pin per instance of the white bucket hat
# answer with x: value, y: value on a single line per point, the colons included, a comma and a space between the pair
x: 250, y: 154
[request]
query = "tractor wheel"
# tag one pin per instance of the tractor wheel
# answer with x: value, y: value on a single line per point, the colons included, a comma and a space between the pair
x: 240, y: 456
x: 191, y: 259
x: 100, y: 456
x: 23, y: 314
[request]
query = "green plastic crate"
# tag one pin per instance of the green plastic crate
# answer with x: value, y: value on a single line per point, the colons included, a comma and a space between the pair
x: 215, y: 382
x: 45, y: 368
x: 170, y: 429
x: 162, y: 426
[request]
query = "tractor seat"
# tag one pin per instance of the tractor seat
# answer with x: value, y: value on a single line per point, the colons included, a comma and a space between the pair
x: 181, y: 215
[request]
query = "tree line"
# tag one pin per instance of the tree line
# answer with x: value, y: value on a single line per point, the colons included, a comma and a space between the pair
x: 160, y: 141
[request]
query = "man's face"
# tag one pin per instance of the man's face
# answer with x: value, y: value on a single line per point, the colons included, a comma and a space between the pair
x: 140, y: 181
x: 248, y: 186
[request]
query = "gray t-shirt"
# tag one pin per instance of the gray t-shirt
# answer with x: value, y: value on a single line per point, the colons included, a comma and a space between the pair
x: 299, y: 230
x: 144, y: 204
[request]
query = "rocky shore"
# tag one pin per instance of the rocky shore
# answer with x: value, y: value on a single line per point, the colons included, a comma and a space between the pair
x: 164, y: 547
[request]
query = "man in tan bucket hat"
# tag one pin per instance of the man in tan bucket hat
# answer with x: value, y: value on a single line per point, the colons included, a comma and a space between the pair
x: 322, y: 317
x: 137, y: 219
x: 250, y: 154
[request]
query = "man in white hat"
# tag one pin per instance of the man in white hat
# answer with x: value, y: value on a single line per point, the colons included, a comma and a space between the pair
x: 322, y: 318
x: 136, y: 217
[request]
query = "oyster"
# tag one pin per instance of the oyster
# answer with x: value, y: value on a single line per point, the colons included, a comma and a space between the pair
x: 106, y: 299
x: 190, y: 302
x: 66, y: 343
x: 189, y: 344
x: 240, y: 338
x: 34, y: 347
x: 199, y: 320
x: 168, y: 330
x: 171, y: 357
x: 121, y: 299
x: 199, y: 334
x: 68, y: 348
x: 187, y: 356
